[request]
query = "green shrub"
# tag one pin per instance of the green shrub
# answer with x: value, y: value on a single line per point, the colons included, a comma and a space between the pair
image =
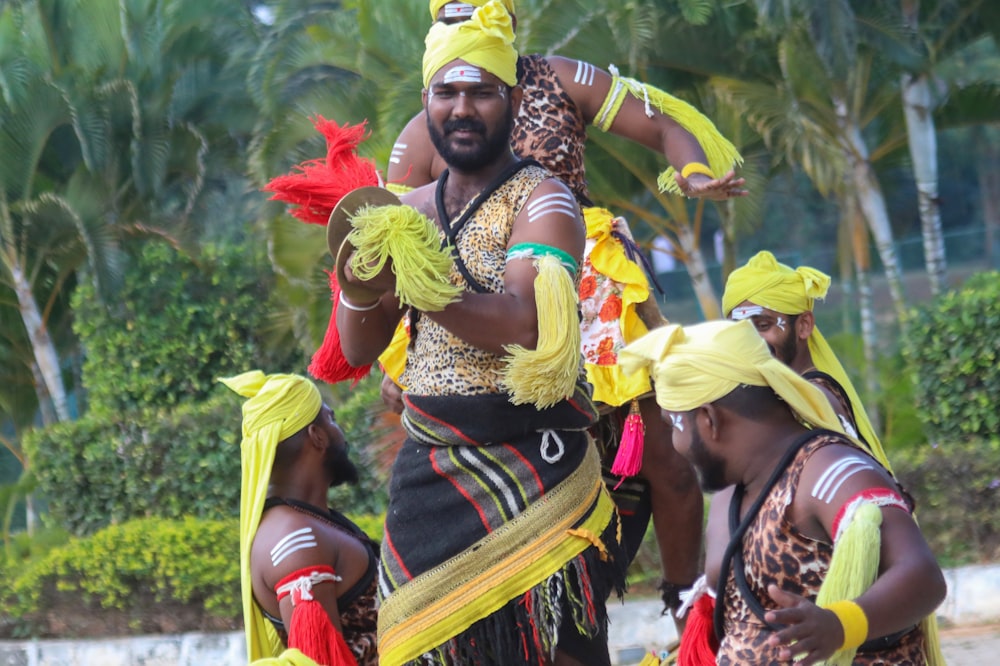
x: 100, y: 470
x: 140, y: 572
x: 957, y: 491
x: 176, y: 327
x: 952, y: 348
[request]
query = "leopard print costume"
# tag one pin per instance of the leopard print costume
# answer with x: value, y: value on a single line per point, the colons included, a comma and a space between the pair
x: 550, y: 127
x: 441, y: 363
x: 775, y: 552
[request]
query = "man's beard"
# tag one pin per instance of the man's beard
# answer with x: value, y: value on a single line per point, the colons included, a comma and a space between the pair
x: 472, y: 157
x: 788, y: 349
x: 340, y: 468
x: 709, y: 467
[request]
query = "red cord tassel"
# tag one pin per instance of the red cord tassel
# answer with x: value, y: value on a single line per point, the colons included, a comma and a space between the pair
x: 328, y: 363
x: 314, y: 187
x: 628, y: 460
x: 698, y: 643
x: 310, y: 630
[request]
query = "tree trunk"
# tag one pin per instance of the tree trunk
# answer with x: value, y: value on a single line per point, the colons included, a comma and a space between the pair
x: 920, y: 133
x: 872, y: 203
x: 41, y: 343
x: 869, y: 342
x: 695, y: 264
x: 922, y: 137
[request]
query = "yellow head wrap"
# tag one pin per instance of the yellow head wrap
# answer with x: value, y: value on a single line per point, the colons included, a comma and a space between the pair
x: 278, y: 407
x: 436, y: 5
x: 696, y: 365
x: 765, y: 282
x: 486, y: 40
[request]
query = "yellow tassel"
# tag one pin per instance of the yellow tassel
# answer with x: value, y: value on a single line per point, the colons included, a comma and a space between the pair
x: 721, y: 153
x: 411, y: 240
x: 547, y: 374
x: 932, y: 648
x: 650, y: 660
x: 853, y: 567
x: 398, y: 188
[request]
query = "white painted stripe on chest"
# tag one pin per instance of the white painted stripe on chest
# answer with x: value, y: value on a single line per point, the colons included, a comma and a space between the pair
x: 834, y: 477
x: 558, y: 202
x: 463, y: 74
x: 584, y: 73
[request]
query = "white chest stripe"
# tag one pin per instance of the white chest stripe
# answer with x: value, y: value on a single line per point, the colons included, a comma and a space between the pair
x: 833, y: 478
x: 397, y: 152
x: 296, y: 541
x: 584, y: 73
x: 552, y: 204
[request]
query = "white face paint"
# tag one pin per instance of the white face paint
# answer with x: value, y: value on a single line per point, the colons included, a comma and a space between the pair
x: 458, y: 10
x: 678, y: 422
x: 292, y: 542
x: 745, y: 312
x: 780, y: 323
x: 463, y: 74
x: 559, y: 203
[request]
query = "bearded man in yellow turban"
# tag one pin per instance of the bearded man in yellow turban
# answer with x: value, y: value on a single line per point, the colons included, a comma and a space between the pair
x: 779, y: 301
x: 501, y: 543
x: 307, y: 572
x: 564, y: 99
x: 824, y: 560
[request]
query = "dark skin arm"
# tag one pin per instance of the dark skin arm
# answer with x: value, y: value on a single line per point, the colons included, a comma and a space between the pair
x: 487, y: 321
x: 419, y: 164
x: 347, y: 556
x: 909, y: 586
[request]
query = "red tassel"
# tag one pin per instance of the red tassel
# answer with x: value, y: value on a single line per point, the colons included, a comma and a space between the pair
x: 628, y: 460
x: 315, y: 186
x: 328, y: 363
x: 310, y: 630
x: 698, y: 644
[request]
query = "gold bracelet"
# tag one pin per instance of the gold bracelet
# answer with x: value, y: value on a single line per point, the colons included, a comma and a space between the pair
x: 853, y: 620
x: 696, y: 167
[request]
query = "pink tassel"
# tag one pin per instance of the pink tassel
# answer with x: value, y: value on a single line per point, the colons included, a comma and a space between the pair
x: 628, y: 460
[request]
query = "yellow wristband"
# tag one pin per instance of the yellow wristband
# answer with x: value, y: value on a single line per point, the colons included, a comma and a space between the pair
x: 696, y: 167
x: 854, y: 621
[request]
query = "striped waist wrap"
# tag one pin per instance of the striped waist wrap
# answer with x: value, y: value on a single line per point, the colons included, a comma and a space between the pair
x: 498, y: 526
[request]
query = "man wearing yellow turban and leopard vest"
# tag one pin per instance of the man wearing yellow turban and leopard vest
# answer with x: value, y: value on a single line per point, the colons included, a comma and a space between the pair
x: 824, y: 562
x: 562, y: 98
x: 779, y: 301
x: 501, y: 542
x: 308, y: 574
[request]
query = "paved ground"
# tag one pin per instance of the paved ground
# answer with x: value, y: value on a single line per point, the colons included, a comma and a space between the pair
x: 971, y: 646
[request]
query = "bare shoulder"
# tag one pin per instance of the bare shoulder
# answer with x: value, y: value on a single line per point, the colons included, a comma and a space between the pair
x: 422, y: 198
x: 585, y: 83
x: 551, y: 216
x: 411, y: 159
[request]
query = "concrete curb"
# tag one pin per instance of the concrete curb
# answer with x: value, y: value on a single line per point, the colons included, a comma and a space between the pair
x: 636, y: 627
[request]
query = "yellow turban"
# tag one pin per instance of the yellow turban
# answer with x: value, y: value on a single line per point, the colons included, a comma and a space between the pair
x: 486, y: 40
x: 436, y: 5
x: 765, y: 282
x: 278, y: 407
x: 696, y: 365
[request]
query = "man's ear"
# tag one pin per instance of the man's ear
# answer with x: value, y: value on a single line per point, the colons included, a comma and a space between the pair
x: 516, y: 95
x: 316, y: 436
x: 804, y: 325
x: 711, y: 417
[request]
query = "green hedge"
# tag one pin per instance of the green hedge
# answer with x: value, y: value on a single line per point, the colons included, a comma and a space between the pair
x: 168, y: 463
x: 137, y: 575
x: 957, y: 490
x: 953, y: 348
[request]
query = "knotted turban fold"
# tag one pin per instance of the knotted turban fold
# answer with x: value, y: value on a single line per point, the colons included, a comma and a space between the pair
x: 486, y: 40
